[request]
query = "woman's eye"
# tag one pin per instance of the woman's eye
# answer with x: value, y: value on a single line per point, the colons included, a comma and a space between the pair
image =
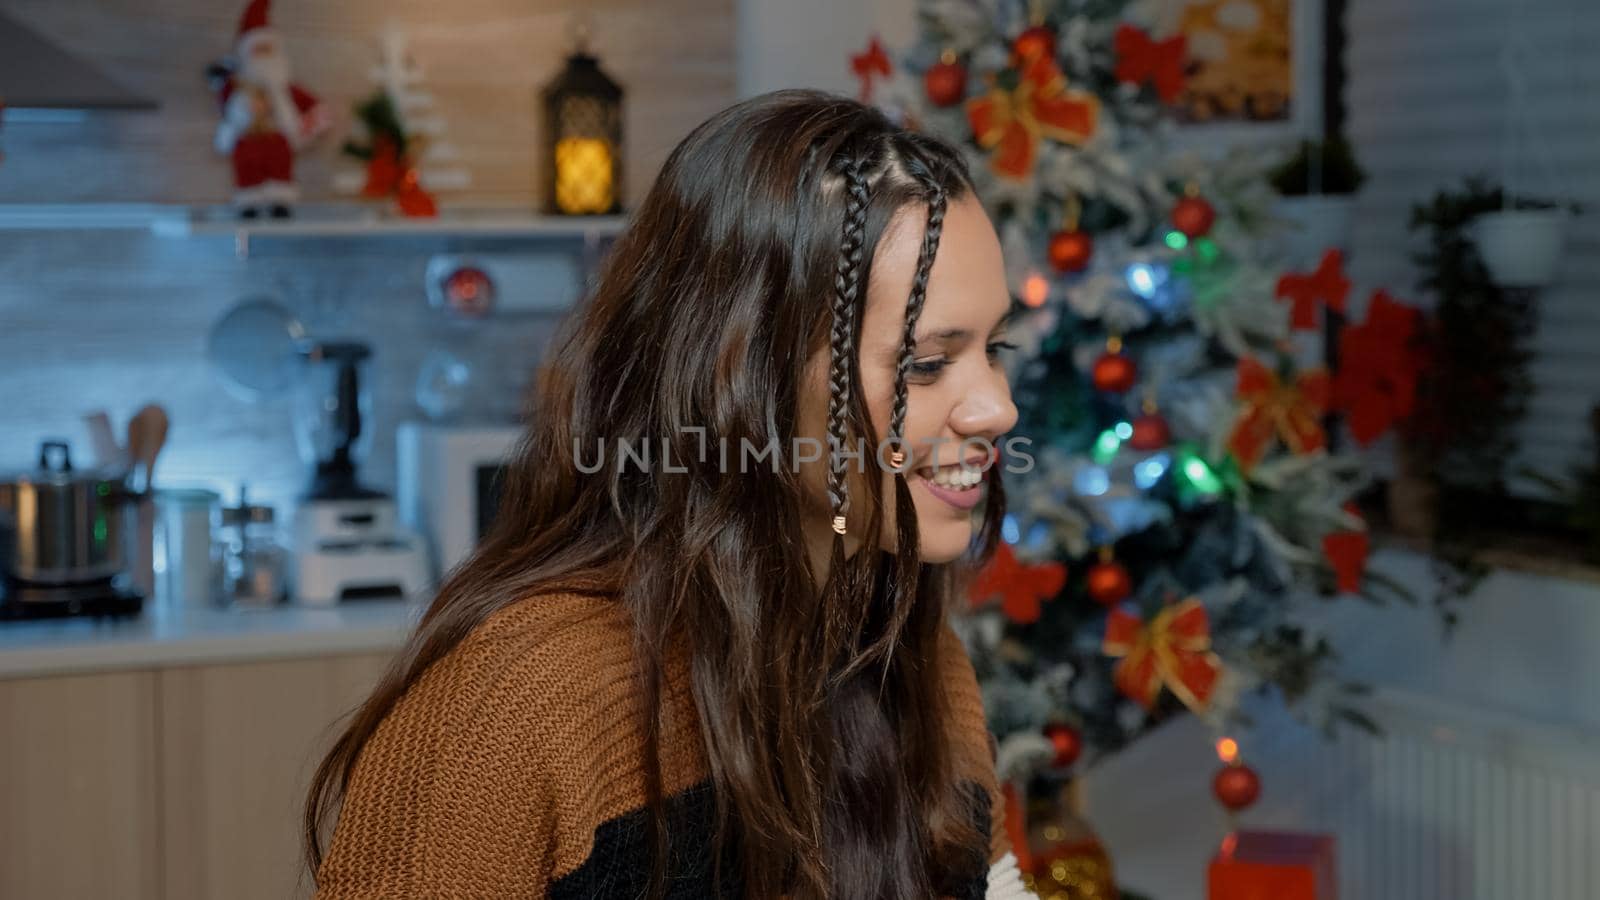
x: 996, y: 347
x: 928, y: 368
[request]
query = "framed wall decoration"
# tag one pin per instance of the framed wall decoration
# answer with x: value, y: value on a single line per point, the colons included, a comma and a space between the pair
x: 1255, y: 70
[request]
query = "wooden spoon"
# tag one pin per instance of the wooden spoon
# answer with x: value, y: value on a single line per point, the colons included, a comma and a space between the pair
x: 135, y: 448
x: 149, y: 428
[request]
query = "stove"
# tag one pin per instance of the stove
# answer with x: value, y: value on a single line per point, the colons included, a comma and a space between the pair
x: 105, y: 598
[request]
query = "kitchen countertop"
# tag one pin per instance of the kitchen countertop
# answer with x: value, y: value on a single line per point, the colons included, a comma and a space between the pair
x: 160, y: 638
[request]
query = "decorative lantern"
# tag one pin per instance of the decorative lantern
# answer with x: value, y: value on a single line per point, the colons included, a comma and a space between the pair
x: 583, y: 133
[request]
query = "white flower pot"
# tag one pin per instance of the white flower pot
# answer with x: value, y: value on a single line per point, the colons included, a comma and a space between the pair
x: 1314, y: 224
x: 1521, y: 247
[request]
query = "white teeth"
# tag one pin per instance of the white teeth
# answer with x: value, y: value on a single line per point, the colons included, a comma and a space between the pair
x: 957, y: 478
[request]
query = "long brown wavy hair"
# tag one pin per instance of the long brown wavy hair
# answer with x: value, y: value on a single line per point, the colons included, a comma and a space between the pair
x: 823, y: 715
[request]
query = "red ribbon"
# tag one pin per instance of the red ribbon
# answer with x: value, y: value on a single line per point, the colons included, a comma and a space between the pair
x: 1012, y: 122
x: 1273, y: 409
x: 1327, y: 285
x: 1171, y: 650
x: 1021, y: 587
x: 1140, y: 58
x: 869, y: 63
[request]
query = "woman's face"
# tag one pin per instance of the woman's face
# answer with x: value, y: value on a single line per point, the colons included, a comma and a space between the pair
x: 956, y: 390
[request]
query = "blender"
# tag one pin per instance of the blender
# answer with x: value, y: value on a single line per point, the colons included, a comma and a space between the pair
x: 347, y: 538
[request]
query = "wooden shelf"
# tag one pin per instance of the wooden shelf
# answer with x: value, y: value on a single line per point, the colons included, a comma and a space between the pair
x: 87, y: 216
x: 309, y: 222
x: 346, y: 221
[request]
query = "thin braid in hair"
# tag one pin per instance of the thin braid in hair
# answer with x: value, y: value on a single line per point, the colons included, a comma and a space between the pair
x: 847, y: 287
x: 937, y: 203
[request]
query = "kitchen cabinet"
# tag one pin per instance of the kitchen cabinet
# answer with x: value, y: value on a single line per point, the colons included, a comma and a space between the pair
x: 239, y: 744
x: 171, y: 783
x: 79, y: 802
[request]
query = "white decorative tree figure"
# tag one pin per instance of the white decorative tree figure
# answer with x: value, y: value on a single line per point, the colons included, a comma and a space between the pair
x: 405, y: 147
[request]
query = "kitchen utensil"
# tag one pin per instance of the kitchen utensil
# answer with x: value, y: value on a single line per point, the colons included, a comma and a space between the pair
x: 256, y: 349
x: 135, y: 451
x: 147, y: 433
x: 108, y: 453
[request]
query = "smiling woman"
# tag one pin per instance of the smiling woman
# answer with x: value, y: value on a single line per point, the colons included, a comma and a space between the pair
x: 703, y: 680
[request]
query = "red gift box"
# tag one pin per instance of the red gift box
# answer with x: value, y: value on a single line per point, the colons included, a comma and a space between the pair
x: 1273, y: 865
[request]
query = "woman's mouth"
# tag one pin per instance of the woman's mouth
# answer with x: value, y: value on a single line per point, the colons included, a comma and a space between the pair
x: 959, y: 485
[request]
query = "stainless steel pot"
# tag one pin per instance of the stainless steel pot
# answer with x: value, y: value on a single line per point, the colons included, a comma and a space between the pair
x: 59, y: 525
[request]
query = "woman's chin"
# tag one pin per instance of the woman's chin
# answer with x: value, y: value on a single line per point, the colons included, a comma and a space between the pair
x: 943, y: 542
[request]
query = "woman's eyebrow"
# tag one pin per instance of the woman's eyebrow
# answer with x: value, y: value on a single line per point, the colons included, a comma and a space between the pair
x: 966, y: 333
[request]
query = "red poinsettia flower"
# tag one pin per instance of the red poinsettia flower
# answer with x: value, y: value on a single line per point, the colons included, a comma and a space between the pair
x: 1376, y: 385
x: 1141, y: 58
x: 1327, y: 285
x: 1041, y: 105
x: 1291, y: 411
x: 1021, y: 587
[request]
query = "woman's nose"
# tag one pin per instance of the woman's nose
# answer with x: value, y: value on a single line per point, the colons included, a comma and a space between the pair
x: 986, y: 410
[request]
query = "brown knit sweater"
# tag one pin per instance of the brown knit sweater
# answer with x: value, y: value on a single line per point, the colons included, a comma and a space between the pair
x: 505, y: 771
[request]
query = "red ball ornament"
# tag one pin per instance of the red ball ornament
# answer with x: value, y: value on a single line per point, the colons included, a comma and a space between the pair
x: 946, y: 81
x: 1193, y: 216
x: 1109, y: 582
x: 1114, y: 373
x: 1236, y: 786
x: 1070, y: 250
x: 1034, y: 42
x: 1067, y: 741
x: 1150, y: 432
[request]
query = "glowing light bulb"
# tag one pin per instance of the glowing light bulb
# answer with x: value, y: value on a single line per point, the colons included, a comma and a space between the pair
x: 1035, y: 290
x: 1142, y: 280
x: 1091, y: 481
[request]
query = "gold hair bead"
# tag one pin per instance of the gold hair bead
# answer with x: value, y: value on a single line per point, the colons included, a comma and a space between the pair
x: 897, y: 459
x: 838, y: 524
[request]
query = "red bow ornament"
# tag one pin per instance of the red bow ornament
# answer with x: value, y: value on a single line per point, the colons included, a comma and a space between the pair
x: 1273, y: 408
x: 1021, y: 587
x: 869, y: 64
x: 1011, y: 122
x: 1141, y: 58
x: 1376, y: 385
x: 1327, y: 285
x: 1172, y: 650
x: 391, y: 175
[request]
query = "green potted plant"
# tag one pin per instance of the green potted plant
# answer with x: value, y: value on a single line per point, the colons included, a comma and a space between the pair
x: 1317, y: 184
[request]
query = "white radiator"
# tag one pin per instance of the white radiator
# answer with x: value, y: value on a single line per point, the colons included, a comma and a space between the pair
x: 1449, y: 803
x: 1455, y: 804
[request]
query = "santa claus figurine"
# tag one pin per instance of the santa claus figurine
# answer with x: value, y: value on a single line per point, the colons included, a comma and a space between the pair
x: 266, y: 118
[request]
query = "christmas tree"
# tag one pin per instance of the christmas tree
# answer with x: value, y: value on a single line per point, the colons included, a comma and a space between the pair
x: 1186, y: 506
